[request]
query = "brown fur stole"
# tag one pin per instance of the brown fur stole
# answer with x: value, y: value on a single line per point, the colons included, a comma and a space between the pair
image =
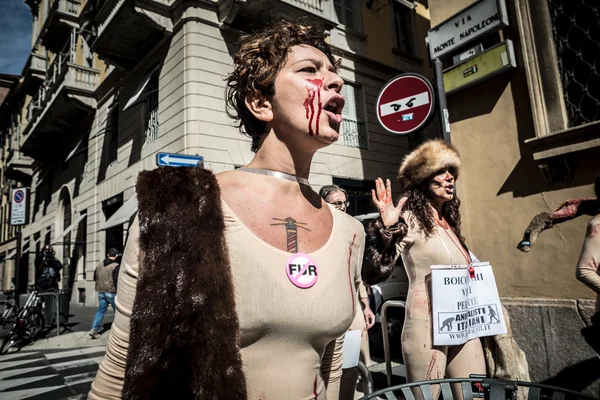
x: 184, y: 340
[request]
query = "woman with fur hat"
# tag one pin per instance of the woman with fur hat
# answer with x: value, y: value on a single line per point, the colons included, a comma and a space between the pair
x: 230, y: 286
x: 424, y: 229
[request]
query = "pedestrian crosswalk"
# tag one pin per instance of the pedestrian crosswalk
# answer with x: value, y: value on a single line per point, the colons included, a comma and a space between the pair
x: 49, y: 375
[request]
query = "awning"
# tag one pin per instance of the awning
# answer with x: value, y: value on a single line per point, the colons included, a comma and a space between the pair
x: 123, y: 214
x: 70, y: 227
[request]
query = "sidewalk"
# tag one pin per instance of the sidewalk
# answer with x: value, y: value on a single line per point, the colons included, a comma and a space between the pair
x: 75, y: 333
x: 75, y: 336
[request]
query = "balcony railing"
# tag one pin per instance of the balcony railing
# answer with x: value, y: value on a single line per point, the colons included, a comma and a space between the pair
x: 70, y: 7
x: 62, y: 16
x: 36, y: 103
x: 62, y: 71
x: 314, y: 6
x: 354, y: 134
x: 16, y: 159
x: 38, y: 62
x: 152, y: 128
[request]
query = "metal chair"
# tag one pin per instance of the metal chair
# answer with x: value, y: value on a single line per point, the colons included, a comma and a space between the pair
x: 384, y: 334
x: 367, y: 379
x: 494, y: 389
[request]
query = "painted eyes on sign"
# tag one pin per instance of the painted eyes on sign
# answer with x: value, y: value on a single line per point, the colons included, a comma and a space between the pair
x: 408, y: 104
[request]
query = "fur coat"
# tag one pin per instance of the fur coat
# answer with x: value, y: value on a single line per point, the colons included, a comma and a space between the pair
x: 184, y: 332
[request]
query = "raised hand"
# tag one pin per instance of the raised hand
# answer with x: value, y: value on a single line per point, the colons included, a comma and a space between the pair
x: 382, y: 198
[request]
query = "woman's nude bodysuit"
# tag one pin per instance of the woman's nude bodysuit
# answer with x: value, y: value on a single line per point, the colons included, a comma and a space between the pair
x: 422, y: 359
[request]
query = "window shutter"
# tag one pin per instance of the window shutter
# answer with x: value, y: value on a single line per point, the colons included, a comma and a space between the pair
x: 353, y: 108
x: 353, y: 126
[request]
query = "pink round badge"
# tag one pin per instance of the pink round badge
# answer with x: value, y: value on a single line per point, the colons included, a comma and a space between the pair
x: 302, y: 271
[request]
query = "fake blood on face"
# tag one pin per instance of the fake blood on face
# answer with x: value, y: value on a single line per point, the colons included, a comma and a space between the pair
x: 313, y: 89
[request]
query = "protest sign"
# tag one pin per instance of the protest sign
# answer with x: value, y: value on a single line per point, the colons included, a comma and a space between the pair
x: 465, y: 305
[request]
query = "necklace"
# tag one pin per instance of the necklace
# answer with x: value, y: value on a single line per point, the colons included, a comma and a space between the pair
x: 458, y: 245
x: 275, y: 174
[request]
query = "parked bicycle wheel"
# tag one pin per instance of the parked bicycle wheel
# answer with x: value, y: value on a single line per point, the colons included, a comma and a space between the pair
x: 8, y: 317
x: 8, y: 342
x: 36, y: 324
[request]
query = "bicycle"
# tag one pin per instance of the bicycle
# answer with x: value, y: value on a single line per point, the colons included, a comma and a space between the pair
x: 28, y: 325
x: 9, y: 311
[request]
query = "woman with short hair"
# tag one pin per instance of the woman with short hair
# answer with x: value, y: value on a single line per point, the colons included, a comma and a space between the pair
x: 230, y: 285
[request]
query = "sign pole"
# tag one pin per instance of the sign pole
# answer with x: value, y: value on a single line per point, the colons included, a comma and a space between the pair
x: 442, y: 104
x: 17, y: 266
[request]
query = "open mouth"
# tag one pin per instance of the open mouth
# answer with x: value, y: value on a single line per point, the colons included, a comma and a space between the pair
x: 449, y: 189
x: 334, y: 107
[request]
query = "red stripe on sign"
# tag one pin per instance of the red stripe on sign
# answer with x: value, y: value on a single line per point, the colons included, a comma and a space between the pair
x: 350, y: 275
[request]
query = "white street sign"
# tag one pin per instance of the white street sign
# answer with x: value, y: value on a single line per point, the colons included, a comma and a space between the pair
x: 18, y: 206
x: 481, y: 18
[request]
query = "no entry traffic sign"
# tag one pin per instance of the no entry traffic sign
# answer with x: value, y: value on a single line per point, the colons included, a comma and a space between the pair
x: 405, y: 104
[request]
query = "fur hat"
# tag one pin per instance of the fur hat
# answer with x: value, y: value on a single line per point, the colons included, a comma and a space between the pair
x: 424, y: 161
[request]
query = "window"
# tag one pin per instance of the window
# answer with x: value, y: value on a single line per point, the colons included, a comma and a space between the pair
x: 354, y: 130
x: 576, y: 33
x: 403, y: 26
x: 112, y: 132
x: 345, y: 13
x: 562, y: 74
x: 151, y: 130
x: 359, y: 195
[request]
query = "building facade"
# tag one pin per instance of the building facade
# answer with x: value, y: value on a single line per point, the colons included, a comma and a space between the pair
x: 109, y: 84
x: 8, y: 88
x: 530, y: 140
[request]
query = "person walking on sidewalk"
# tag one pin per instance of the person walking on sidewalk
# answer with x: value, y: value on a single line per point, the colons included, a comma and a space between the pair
x: 106, y: 288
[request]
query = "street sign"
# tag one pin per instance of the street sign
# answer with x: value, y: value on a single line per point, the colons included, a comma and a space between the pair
x: 480, y: 18
x: 18, y: 206
x: 480, y: 68
x: 179, y: 160
x: 405, y: 104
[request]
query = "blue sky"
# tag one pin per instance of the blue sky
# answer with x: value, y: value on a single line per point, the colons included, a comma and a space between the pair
x: 15, y: 36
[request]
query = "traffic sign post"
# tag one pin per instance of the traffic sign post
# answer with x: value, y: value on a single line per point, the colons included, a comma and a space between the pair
x: 442, y: 104
x: 19, y: 202
x: 19, y: 216
x: 179, y: 160
x: 405, y: 104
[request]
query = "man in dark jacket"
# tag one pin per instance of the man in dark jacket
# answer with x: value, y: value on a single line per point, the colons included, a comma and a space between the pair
x: 106, y: 288
x: 47, y: 270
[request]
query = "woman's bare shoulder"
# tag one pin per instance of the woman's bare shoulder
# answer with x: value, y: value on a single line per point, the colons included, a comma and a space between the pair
x: 230, y: 181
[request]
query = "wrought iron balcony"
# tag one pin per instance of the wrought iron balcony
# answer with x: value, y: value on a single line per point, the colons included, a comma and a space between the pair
x: 237, y: 12
x: 33, y: 73
x: 126, y: 30
x: 62, y: 103
x: 63, y: 15
x: 354, y: 134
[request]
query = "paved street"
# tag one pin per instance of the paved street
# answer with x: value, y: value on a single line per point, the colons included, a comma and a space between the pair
x: 56, y: 367
x: 64, y: 366
x: 49, y: 374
